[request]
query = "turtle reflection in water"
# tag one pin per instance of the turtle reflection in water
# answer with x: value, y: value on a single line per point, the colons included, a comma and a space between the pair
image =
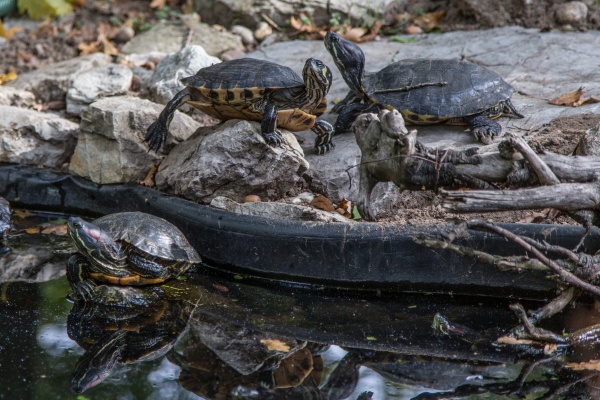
x: 426, y: 91
x: 112, y: 334
x: 256, y: 90
x: 128, y: 248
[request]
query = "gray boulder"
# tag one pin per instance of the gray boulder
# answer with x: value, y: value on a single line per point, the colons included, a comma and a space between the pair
x: 91, y: 85
x: 111, y: 147
x: 232, y: 160
x: 35, y: 138
x: 10, y: 96
x: 52, y: 82
x: 186, y: 62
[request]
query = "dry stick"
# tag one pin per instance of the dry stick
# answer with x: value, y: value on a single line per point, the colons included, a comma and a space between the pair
x: 566, y: 276
x: 410, y: 87
x: 543, y: 172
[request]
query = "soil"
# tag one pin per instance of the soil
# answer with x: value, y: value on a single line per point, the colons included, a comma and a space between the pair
x: 60, y: 39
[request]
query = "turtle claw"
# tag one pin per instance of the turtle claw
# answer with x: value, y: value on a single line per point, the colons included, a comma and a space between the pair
x: 85, y: 290
x: 324, y: 148
x: 155, y: 136
x: 484, y: 128
x: 272, y: 138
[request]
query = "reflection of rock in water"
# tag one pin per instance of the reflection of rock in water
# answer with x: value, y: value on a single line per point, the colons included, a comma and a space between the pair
x: 114, y: 335
x: 226, y: 361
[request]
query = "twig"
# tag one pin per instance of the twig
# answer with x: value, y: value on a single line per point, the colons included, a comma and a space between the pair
x: 410, y: 87
x: 543, y: 172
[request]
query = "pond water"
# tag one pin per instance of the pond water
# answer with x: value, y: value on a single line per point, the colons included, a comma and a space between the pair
x: 210, y: 337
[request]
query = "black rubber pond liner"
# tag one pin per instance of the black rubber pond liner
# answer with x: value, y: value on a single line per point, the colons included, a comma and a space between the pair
x: 367, y: 256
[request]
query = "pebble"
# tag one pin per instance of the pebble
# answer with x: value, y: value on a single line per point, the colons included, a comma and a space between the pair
x: 413, y: 30
x: 244, y: 33
x: 124, y: 35
x: 263, y: 31
x: 252, y: 198
x: 573, y: 13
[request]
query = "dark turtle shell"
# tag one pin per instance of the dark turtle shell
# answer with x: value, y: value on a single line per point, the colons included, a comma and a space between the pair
x: 468, y: 89
x: 242, y: 79
x: 152, y: 235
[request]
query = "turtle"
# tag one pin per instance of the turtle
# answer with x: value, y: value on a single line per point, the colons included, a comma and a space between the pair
x: 256, y: 90
x: 126, y: 248
x: 426, y: 91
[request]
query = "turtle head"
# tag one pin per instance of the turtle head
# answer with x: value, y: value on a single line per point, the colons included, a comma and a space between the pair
x: 94, y: 244
x: 317, y: 75
x: 349, y: 59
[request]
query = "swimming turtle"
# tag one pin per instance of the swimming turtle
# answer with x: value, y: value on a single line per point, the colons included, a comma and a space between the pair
x: 426, y: 91
x: 256, y: 90
x: 127, y: 248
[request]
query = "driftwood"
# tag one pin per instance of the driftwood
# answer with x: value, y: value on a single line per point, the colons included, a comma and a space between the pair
x: 390, y: 153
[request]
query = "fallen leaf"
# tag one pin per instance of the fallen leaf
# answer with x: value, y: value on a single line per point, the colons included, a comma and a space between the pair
x: 430, y: 20
x: 88, y: 48
x: 40, y: 9
x: 149, y: 179
x: 33, y: 230
x: 22, y: 214
x: 10, y: 76
x: 323, y: 203
x: 160, y: 4
x: 373, y: 31
x: 60, y: 230
x: 592, y: 365
x: 569, y: 99
x: 512, y: 340
x: 109, y: 48
x: 275, y: 345
x: 354, y: 34
x: 8, y: 34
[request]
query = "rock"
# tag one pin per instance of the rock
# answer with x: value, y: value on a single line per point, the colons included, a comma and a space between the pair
x: 172, y: 36
x: 246, y: 34
x: 35, y: 138
x: 232, y: 160
x: 10, y: 96
x: 52, y: 82
x: 186, y: 62
x: 262, y: 31
x: 572, y: 13
x: 89, y: 86
x: 589, y: 143
x: 248, y: 12
x: 30, y: 265
x: 277, y: 210
x: 124, y: 34
x: 111, y: 149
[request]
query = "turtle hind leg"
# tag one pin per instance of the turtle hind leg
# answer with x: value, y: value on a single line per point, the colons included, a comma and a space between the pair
x: 147, y: 268
x: 83, y: 286
x: 324, y: 132
x: 158, y: 130
x: 483, y: 128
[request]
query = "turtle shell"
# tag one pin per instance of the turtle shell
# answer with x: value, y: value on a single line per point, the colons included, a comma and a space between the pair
x: 229, y: 90
x: 469, y: 89
x: 150, y: 234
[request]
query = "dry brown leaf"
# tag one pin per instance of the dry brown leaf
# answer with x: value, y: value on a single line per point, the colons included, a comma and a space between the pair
x: 373, y: 31
x: 430, y: 20
x: 587, y: 100
x: 354, y: 34
x: 158, y: 4
x: 33, y: 230
x: 60, y: 230
x: 149, y: 179
x: 591, y: 365
x: 276, y: 345
x: 88, y: 48
x: 22, y: 214
x: 10, y: 76
x: 569, y: 99
x: 109, y: 48
x: 323, y: 203
x: 8, y: 34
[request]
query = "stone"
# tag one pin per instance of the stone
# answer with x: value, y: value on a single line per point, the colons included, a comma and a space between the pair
x: 111, y: 147
x: 232, y: 159
x: 172, y: 36
x: 10, y: 96
x: 30, y: 265
x: 245, y: 33
x: 262, y: 31
x: 52, y: 82
x: 572, y: 13
x: 89, y: 86
x: 35, y: 138
x: 186, y: 62
x: 278, y: 210
x: 589, y: 143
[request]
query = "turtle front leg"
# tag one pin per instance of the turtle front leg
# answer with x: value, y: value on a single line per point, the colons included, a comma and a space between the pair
x: 350, y: 98
x: 324, y: 131
x: 158, y: 130
x: 483, y: 128
x: 79, y: 279
x: 269, y: 125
